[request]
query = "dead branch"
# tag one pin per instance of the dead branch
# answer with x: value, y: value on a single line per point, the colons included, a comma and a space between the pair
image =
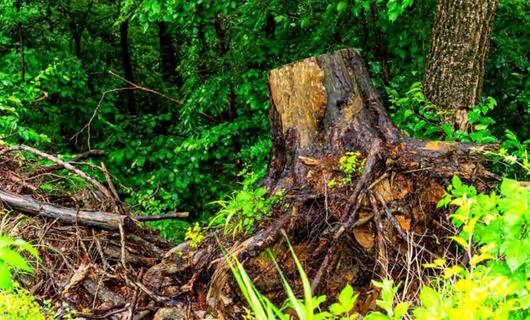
x: 66, y: 165
x: 81, y: 156
x: 176, y: 215
x: 84, y: 217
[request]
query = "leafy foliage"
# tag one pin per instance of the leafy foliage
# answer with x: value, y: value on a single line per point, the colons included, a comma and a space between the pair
x: 422, y: 119
x: 12, y: 261
x: 18, y: 304
x: 194, y: 234
x: 351, y: 164
x: 245, y: 208
x: 15, y: 302
x: 495, y: 238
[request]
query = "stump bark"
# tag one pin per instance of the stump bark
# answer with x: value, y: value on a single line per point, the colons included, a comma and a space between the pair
x: 324, y: 110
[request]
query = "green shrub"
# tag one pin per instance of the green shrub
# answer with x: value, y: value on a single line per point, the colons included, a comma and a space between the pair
x: 494, y: 235
x: 15, y: 302
x: 421, y: 119
x: 18, y: 304
x: 493, y: 284
x: 245, y: 208
x: 12, y: 261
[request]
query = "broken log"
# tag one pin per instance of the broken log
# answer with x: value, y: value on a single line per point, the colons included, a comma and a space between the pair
x: 176, y: 215
x: 84, y: 217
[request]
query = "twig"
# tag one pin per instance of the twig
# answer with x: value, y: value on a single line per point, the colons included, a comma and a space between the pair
x: 134, y: 86
x: 103, y: 316
x: 393, y: 221
x: 132, y: 305
x: 118, y: 205
x: 122, y: 246
x: 383, y: 257
x: 81, y: 156
x: 176, y: 215
x: 66, y: 165
x: 89, y: 123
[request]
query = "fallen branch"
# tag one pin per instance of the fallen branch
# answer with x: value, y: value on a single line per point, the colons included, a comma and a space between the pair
x: 60, y: 162
x: 176, y: 215
x: 55, y: 167
x: 88, y: 218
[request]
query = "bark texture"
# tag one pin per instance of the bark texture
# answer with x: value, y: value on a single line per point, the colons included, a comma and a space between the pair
x: 459, y: 48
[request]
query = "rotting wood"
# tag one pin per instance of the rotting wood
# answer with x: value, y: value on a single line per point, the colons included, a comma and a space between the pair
x: 84, y: 217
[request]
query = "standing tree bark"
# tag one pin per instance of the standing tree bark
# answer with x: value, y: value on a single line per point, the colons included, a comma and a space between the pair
x: 167, y: 54
x: 459, y: 48
x: 127, y: 65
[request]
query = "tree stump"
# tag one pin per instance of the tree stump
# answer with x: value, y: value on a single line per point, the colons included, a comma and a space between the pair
x: 357, y: 188
x: 324, y: 111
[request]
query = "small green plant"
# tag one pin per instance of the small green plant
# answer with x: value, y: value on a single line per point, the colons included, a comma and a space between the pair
x: 422, y: 119
x: 18, y: 304
x: 514, y: 153
x: 194, y: 234
x: 494, y: 235
x: 332, y: 183
x: 351, y: 164
x: 12, y: 261
x: 244, y: 208
x: 15, y: 302
x: 309, y: 306
x: 387, y: 303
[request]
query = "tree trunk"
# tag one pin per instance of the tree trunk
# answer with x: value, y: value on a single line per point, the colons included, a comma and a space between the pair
x: 167, y: 54
x: 381, y: 46
x: 127, y: 66
x: 459, y: 47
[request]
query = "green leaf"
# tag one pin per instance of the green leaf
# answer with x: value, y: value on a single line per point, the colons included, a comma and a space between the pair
x: 341, y: 6
x: 5, y: 276
x: 517, y: 253
x: 14, y: 259
x: 401, y: 310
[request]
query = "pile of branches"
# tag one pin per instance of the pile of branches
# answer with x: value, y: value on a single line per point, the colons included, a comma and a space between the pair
x: 93, y: 252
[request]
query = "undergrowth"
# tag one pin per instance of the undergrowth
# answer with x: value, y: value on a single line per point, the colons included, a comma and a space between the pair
x: 243, y: 209
x: 492, y: 283
x: 16, y: 303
